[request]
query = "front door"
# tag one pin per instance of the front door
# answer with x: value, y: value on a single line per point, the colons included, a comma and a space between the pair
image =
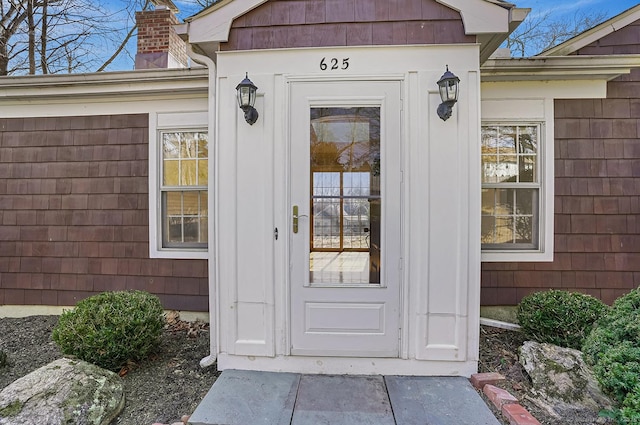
x: 345, y: 208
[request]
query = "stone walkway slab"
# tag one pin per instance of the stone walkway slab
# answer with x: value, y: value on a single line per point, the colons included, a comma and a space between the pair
x: 437, y: 401
x: 253, y: 398
x: 342, y: 400
x: 240, y: 397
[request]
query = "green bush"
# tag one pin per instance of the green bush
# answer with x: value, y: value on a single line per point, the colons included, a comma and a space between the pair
x: 111, y: 328
x: 621, y: 323
x: 613, y: 349
x: 559, y: 317
x: 618, y: 370
x: 630, y: 412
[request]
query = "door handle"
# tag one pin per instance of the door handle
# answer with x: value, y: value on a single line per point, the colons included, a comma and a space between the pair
x: 296, y: 216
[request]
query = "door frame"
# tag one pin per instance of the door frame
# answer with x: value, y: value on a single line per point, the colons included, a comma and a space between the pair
x: 400, y: 296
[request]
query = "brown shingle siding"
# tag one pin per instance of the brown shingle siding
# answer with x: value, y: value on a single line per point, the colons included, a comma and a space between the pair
x: 597, y: 203
x: 313, y: 23
x: 74, y: 214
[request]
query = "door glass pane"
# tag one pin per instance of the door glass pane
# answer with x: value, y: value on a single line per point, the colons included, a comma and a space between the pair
x: 345, y: 242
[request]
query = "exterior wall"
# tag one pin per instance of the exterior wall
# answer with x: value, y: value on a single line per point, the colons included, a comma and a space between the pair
x: 441, y: 256
x: 317, y: 23
x: 597, y: 203
x: 74, y: 214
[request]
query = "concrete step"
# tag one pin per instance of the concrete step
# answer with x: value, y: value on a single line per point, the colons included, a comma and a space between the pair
x: 249, y: 397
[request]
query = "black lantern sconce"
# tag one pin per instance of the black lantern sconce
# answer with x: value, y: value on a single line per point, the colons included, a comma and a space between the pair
x: 448, y: 85
x: 247, y: 98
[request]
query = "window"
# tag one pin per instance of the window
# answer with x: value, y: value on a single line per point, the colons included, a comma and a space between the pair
x: 183, y: 188
x: 511, y: 187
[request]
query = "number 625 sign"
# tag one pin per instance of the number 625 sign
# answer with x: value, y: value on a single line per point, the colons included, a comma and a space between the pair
x: 332, y: 64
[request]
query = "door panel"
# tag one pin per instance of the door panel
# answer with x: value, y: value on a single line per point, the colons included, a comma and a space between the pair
x: 345, y: 198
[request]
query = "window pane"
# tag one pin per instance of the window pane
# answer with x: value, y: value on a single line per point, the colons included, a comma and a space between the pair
x: 175, y: 229
x: 488, y: 229
x: 203, y: 172
x: 507, y: 170
x: 185, y: 221
x: 188, y: 173
x: 190, y: 201
x: 524, y: 230
x: 528, y: 168
x: 507, y: 141
x: 488, y: 201
x: 191, y: 229
x: 203, y: 146
x: 528, y: 140
x: 345, y: 176
x: 174, y: 203
x: 170, y: 146
x: 489, y: 169
x: 504, y: 230
x: 509, y: 217
x: 504, y: 202
x: 171, y: 171
x: 185, y: 159
x: 525, y: 201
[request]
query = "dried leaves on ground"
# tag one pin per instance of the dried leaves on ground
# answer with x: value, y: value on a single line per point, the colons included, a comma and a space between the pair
x: 162, y: 388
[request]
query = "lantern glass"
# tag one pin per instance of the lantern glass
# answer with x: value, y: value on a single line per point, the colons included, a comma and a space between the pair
x: 244, y: 97
x: 449, y: 90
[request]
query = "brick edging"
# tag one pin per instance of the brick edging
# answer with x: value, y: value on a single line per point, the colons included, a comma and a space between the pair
x: 506, y: 403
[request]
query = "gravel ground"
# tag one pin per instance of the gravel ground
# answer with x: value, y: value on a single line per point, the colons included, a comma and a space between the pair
x: 170, y: 383
x: 167, y: 385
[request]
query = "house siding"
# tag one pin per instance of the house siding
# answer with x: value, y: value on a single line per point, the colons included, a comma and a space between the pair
x: 319, y: 23
x: 597, y: 195
x: 74, y: 214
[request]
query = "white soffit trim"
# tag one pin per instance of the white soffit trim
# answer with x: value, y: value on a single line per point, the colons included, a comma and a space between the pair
x: 481, y: 16
x: 594, y: 34
x: 558, y: 68
x: 214, y: 24
x: 142, y: 82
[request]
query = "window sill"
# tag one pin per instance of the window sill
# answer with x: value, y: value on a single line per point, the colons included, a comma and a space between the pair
x: 180, y: 254
x: 515, y: 256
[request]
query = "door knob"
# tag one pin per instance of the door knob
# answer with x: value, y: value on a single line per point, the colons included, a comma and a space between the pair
x: 296, y: 216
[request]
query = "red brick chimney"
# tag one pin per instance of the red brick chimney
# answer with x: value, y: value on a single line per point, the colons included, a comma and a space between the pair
x: 158, y: 44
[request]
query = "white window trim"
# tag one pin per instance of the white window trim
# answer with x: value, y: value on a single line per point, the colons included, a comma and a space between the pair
x: 159, y: 122
x: 544, y: 252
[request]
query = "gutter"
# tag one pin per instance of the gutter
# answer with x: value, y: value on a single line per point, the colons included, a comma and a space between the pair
x: 558, y: 68
x: 213, y: 295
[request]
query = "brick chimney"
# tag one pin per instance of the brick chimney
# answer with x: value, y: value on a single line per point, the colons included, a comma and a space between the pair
x: 158, y: 44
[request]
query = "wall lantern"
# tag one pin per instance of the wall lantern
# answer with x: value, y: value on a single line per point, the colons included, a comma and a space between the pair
x: 448, y: 85
x: 247, y: 98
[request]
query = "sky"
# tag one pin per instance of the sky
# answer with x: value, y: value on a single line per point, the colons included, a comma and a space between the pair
x: 555, y: 8
x: 570, y: 7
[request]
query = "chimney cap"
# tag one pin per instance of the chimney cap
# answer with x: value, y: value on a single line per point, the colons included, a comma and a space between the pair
x: 165, y: 4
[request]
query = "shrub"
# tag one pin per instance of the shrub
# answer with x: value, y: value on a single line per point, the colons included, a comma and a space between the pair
x: 618, y: 370
x: 630, y: 412
x: 621, y: 323
x: 559, y: 317
x: 111, y: 328
x: 613, y: 349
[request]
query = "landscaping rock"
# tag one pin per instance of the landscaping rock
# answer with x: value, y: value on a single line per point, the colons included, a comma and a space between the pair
x: 562, y: 383
x: 65, y: 392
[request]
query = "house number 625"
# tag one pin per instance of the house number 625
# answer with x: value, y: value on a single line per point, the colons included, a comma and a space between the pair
x: 333, y: 64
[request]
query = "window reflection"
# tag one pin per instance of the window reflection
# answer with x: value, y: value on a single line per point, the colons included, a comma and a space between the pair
x: 345, y: 195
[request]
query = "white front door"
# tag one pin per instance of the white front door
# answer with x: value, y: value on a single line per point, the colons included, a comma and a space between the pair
x: 345, y: 207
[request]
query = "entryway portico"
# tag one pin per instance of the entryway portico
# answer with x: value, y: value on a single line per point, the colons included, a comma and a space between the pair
x: 346, y: 218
